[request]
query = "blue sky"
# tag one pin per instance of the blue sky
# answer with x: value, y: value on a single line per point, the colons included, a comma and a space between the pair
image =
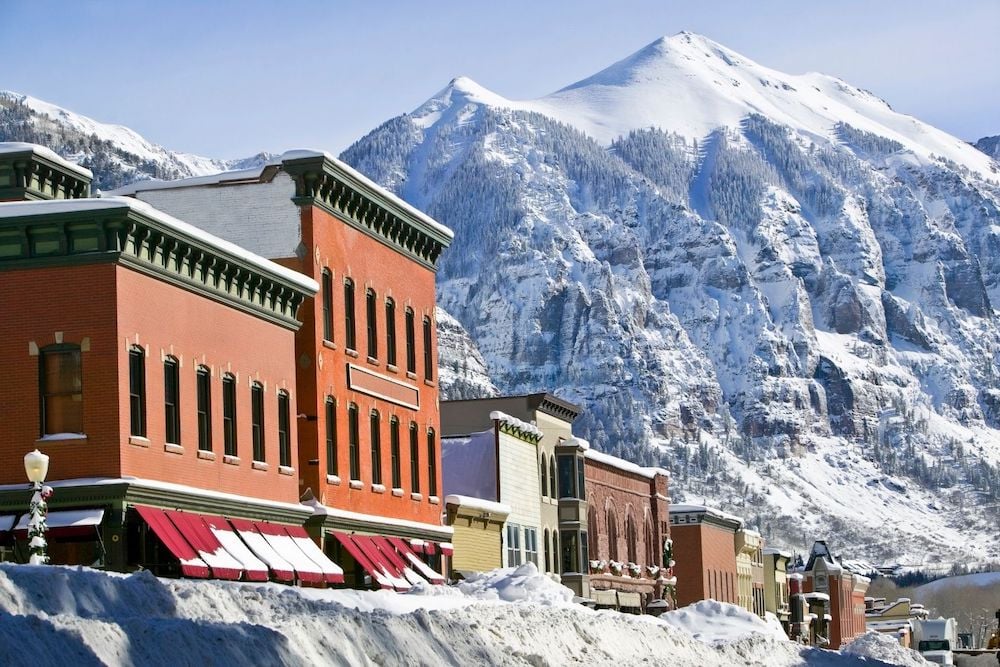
x: 228, y: 79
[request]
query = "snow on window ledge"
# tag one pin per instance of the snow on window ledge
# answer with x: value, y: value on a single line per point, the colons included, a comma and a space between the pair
x: 286, y: 470
x: 416, y: 496
x: 55, y: 437
x: 378, y: 488
x: 333, y: 479
x: 138, y: 441
x: 231, y: 460
x: 171, y: 448
x: 260, y: 465
x: 357, y: 484
x: 206, y: 455
x: 398, y: 492
x: 433, y: 500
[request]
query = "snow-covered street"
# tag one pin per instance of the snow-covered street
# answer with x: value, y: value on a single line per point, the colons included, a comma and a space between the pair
x: 63, y: 616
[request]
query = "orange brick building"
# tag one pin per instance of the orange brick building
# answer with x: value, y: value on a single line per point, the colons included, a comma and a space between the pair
x: 705, y: 554
x: 369, y: 423
x: 131, y: 343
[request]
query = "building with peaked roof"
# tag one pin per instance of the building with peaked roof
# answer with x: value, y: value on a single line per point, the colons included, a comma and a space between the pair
x: 825, y: 574
x: 369, y: 427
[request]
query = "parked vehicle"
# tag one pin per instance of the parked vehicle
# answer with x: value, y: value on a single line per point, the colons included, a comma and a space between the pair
x: 936, y: 639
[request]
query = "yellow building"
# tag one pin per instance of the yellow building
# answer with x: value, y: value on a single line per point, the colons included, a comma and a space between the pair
x: 776, y: 584
x: 750, y: 571
x: 478, y: 526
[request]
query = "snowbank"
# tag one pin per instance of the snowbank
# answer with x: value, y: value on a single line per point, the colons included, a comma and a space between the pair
x: 885, y: 648
x: 716, y: 622
x: 64, y: 616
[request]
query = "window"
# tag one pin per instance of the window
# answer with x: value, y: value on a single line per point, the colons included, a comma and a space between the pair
x: 137, y: 391
x: 171, y: 400
x: 352, y: 441
x: 390, y: 332
x: 411, y: 349
x: 584, y: 543
x: 432, y: 478
x: 544, y: 476
x: 350, y: 338
x: 513, y: 545
x: 570, y: 557
x: 567, y: 475
x: 428, y: 351
x: 229, y: 414
x: 331, y: 437
x: 545, y: 546
x: 612, y: 531
x: 397, y: 481
x: 555, y: 552
x: 531, y: 545
x: 284, y: 432
x: 203, y: 381
x: 592, y: 530
x: 61, y: 389
x: 552, y: 477
x: 327, y: 305
x: 376, y: 428
x: 257, y: 420
x: 631, y: 539
x: 370, y: 308
x: 647, y: 534
x: 414, y: 459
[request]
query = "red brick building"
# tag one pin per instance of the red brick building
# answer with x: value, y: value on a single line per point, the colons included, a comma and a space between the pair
x: 825, y: 574
x: 627, y: 526
x: 369, y: 424
x: 705, y: 554
x: 132, y: 347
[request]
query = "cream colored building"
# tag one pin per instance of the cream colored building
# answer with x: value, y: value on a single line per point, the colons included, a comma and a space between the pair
x: 776, y: 584
x: 750, y: 570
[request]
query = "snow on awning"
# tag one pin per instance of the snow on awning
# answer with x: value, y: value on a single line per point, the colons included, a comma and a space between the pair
x: 396, y: 560
x: 65, y: 523
x: 223, y: 564
x: 446, y: 548
x: 375, y: 556
x: 362, y: 559
x: 7, y: 523
x: 417, y: 545
x: 423, y: 568
x: 275, y: 534
x: 254, y: 567
x: 332, y: 573
x: 191, y: 564
x: 283, y: 570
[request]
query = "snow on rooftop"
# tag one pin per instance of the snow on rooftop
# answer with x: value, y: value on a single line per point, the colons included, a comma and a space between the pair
x: 476, y: 503
x: 514, y: 422
x: 577, y: 442
x: 704, y: 509
x: 23, y: 209
x: 622, y: 464
x: 245, y: 175
x: 7, y: 147
x: 469, y: 465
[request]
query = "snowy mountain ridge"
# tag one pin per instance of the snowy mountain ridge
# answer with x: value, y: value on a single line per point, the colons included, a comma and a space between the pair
x: 116, y: 154
x: 781, y: 284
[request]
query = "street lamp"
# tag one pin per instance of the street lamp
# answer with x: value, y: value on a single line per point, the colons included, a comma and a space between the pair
x: 36, y: 466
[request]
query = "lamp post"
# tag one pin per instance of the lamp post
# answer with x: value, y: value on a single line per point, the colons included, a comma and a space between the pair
x: 36, y: 466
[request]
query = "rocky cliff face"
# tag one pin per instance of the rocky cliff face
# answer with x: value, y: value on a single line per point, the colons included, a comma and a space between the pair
x: 990, y: 146
x: 808, y: 297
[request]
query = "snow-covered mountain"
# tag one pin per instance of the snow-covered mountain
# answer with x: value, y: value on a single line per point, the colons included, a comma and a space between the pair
x: 990, y: 146
x: 117, y: 155
x: 774, y: 285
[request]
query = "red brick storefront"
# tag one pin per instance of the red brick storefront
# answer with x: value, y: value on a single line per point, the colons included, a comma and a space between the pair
x: 705, y: 554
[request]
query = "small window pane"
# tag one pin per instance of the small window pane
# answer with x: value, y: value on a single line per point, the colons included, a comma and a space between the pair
x: 257, y: 421
x: 284, y: 434
x: 229, y: 415
x: 171, y: 401
x: 204, y: 380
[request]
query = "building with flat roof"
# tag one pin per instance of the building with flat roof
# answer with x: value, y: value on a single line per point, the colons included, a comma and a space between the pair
x: 369, y: 424
x: 705, y: 552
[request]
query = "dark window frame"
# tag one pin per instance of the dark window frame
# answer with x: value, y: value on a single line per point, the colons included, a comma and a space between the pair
x: 414, y: 458
x: 284, y: 429
x: 229, y: 425
x: 432, y: 486
x: 350, y: 322
x: 371, y: 324
x: 390, y: 332
x: 375, y: 429
x: 428, y: 350
x: 397, y: 478
x: 411, y: 341
x: 171, y: 401
x: 332, y: 464
x: 327, y: 305
x: 47, y: 395
x: 203, y: 388
x: 257, y: 422
x: 352, y: 442
x: 137, y: 391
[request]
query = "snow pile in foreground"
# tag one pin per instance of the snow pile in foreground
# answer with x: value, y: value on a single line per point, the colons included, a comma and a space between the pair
x: 63, y: 616
x: 883, y: 647
x: 523, y: 583
x: 716, y: 622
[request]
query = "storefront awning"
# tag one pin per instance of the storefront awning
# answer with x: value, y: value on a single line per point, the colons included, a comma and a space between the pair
x: 65, y: 523
x: 446, y: 548
x: 255, y: 568
x: 377, y: 573
x: 332, y: 572
x: 191, y: 564
x: 398, y: 562
x: 283, y: 570
x: 420, y: 566
x: 223, y: 564
x: 279, y: 539
x: 6, y: 524
x: 368, y: 546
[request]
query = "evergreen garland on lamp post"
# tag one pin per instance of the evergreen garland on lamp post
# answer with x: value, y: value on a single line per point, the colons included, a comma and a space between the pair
x: 36, y: 465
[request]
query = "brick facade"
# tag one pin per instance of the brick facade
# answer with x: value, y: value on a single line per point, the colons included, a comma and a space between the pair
x: 705, y: 555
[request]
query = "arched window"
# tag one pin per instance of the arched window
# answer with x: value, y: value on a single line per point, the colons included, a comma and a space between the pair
x: 545, y: 548
x: 552, y: 478
x: 612, y: 532
x: 592, y: 533
x: 544, y: 477
x: 631, y: 538
x: 555, y: 552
